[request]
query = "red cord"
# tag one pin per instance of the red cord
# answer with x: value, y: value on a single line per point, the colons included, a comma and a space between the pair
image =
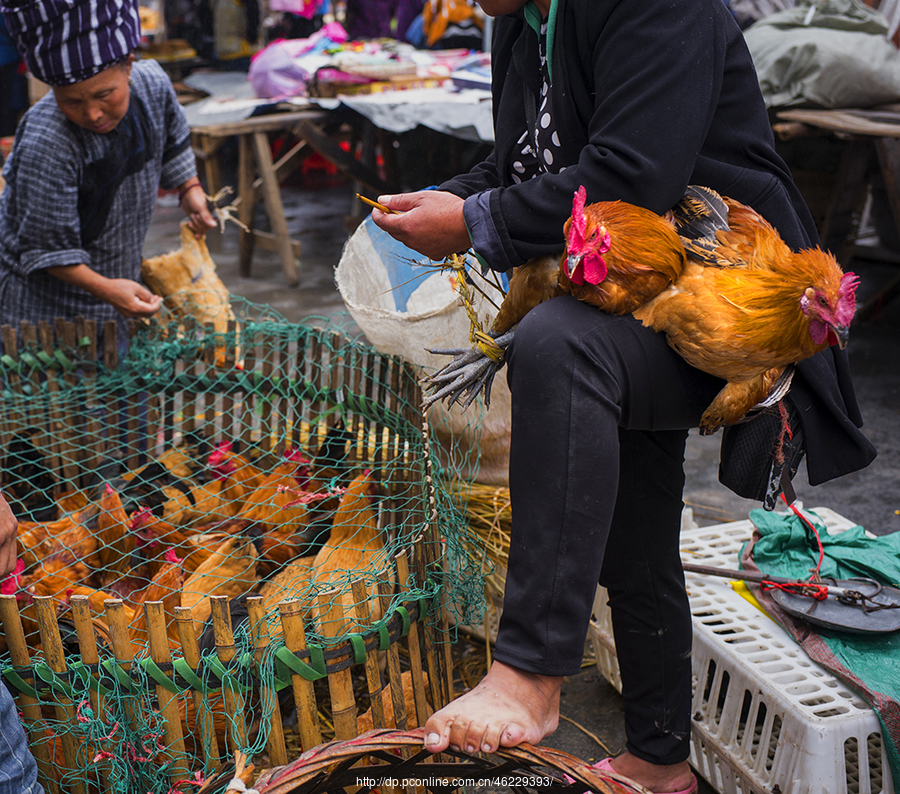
x: 810, y: 525
x: 811, y: 588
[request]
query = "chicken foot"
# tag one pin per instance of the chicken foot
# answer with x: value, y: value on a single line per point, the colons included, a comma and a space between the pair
x: 736, y: 398
x: 471, y: 372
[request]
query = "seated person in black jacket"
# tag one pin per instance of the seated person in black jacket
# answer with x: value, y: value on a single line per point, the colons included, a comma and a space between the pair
x: 634, y: 101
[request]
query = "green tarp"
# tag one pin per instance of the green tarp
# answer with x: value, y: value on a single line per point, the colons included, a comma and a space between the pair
x: 870, y: 663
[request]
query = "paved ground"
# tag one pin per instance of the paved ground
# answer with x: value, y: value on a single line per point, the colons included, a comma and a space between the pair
x: 870, y: 497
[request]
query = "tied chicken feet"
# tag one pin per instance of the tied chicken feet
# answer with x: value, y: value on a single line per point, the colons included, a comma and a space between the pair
x: 471, y: 372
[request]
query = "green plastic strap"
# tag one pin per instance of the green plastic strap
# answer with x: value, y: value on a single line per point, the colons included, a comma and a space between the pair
x: 28, y: 360
x: 358, y: 645
x: 20, y: 683
x: 311, y: 672
x: 187, y: 673
x: 423, y: 609
x: 85, y: 676
x: 56, y: 683
x: 403, y: 612
x: 85, y: 341
x: 64, y: 360
x: 384, y: 638
x: 46, y: 359
x: 153, y: 670
x: 10, y: 362
x: 123, y: 679
x: 224, y: 675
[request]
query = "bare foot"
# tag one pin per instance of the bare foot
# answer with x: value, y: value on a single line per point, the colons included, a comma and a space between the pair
x: 671, y: 777
x: 508, y: 707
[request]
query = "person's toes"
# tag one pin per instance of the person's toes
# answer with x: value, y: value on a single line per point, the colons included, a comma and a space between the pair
x: 491, y: 739
x: 437, y: 732
x: 511, y: 735
x: 459, y: 735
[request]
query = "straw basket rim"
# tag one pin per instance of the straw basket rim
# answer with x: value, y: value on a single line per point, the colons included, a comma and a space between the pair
x: 331, y: 767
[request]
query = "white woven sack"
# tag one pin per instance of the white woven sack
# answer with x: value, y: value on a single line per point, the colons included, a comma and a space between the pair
x: 404, y: 306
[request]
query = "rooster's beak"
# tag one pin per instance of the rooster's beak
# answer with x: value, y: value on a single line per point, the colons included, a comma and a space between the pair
x: 572, y: 262
x: 842, y: 333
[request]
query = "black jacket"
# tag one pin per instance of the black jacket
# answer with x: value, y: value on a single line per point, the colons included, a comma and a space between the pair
x: 649, y: 97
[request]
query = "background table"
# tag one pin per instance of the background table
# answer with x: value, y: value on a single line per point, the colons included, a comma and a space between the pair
x: 871, y: 144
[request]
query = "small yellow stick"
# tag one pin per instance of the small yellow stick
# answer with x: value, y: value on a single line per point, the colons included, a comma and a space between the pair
x: 378, y: 206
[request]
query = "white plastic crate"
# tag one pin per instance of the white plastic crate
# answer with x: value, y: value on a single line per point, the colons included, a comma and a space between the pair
x: 766, y: 718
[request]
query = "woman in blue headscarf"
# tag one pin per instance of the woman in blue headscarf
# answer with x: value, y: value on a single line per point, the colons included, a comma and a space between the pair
x: 86, y: 166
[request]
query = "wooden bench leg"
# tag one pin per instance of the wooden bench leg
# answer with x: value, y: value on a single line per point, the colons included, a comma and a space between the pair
x: 275, y: 208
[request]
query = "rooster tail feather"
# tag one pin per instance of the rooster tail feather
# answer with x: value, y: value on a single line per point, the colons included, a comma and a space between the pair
x: 700, y: 213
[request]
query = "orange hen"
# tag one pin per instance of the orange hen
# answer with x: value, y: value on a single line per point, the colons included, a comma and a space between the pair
x: 746, y: 306
x: 354, y: 549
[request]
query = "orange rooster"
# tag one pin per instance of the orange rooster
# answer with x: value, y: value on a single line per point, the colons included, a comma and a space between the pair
x: 617, y: 257
x: 746, y: 306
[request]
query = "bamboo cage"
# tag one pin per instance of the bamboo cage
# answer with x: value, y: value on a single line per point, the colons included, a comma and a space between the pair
x: 107, y: 707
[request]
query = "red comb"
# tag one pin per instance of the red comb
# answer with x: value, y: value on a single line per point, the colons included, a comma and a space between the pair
x: 172, y: 557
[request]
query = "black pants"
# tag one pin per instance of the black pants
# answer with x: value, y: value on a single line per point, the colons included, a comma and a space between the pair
x: 601, y: 407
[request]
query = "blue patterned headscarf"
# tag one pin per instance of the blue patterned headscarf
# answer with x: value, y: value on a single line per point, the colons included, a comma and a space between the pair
x: 67, y: 41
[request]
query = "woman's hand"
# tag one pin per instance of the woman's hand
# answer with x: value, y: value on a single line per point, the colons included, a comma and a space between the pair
x: 431, y: 222
x: 128, y: 297
x: 193, y: 202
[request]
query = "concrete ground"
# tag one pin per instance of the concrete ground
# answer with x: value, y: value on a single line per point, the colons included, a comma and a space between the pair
x: 592, y: 711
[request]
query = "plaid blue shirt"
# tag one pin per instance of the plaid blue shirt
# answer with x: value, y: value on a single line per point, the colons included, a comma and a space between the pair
x: 44, y: 221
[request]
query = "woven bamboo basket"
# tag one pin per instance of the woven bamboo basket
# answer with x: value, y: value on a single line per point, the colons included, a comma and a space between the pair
x: 394, y: 760
x: 269, y: 394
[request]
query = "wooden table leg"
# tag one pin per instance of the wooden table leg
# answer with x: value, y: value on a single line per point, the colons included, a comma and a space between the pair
x: 840, y: 227
x: 247, y: 196
x: 275, y: 208
x: 208, y: 153
x: 888, y: 150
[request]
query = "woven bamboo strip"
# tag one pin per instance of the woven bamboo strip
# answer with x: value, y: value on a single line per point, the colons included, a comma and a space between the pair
x: 373, y: 674
x: 230, y: 363
x: 168, y: 701
x: 16, y: 421
x: 393, y: 668
x: 268, y: 417
x: 31, y: 708
x: 248, y: 400
x: 43, y: 441
x: 209, y: 365
x: 189, y: 398
x: 123, y: 649
x: 87, y: 641
x: 340, y: 683
x: 304, y: 695
x: 415, y: 649
x: 132, y: 410
x: 45, y: 611
x: 184, y: 623
x: 115, y: 428
x: 65, y: 334
x: 86, y: 332
x: 55, y: 423
x: 275, y: 744
x: 221, y: 620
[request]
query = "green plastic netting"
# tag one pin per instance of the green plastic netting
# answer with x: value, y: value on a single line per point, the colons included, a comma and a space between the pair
x: 190, y: 470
